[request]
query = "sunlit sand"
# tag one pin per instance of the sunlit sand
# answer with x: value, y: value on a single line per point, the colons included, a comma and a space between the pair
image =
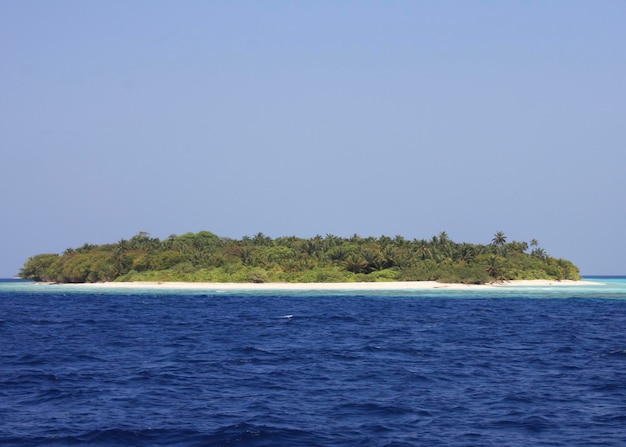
x: 399, y: 285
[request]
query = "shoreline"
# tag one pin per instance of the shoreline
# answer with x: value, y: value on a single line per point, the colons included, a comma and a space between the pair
x: 373, y: 286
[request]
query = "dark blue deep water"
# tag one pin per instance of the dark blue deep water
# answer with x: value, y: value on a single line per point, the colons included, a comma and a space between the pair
x: 512, y: 367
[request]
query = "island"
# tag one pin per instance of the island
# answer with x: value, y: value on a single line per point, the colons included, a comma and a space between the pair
x: 204, y: 257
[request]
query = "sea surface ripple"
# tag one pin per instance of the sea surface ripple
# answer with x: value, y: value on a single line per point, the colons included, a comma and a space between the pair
x: 213, y: 369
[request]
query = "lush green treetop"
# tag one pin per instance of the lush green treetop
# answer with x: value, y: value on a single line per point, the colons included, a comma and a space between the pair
x: 204, y: 256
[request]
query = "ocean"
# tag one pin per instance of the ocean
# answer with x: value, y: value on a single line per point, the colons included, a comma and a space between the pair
x: 505, y: 367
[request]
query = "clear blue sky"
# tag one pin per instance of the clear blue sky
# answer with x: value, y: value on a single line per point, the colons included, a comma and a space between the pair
x: 299, y: 118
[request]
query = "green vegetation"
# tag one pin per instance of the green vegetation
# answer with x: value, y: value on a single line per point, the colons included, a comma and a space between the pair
x: 205, y: 257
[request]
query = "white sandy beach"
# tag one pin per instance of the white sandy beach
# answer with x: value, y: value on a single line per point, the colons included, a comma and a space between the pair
x: 400, y: 285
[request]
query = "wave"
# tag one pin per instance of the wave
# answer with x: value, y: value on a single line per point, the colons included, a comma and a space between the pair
x: 243, y: 435
x: 366, y: 371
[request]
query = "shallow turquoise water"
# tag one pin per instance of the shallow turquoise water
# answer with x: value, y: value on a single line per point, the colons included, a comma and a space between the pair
x: 610, y: 287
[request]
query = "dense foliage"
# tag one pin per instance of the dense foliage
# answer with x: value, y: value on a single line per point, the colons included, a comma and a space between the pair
x: 206, y: 257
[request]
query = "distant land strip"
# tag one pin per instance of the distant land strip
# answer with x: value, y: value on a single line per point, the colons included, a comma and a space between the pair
x: 204, y: 257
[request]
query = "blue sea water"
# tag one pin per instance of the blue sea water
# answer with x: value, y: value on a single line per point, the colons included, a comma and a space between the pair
x: 514, y: 367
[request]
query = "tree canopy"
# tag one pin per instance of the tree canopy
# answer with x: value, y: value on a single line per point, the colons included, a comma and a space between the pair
x: 204, y: 256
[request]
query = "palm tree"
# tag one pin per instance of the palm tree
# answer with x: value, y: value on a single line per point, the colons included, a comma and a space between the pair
x: 389, y: 254
x: 494, y: 269
x: 499, y: 239
x: 312, y: 247
x: 404, y: 260
x: 466, y: 253
x: 444, y: 245
x: 167, y: 243
x: 337, y: 254
x: 246, y: 255
x: 423, y: 250
x: 399, y: 241
x: 331, y: 241
x: 371, y: 257
x: 443, y: 238
x: 355, y: 238
x: 538, y: 253
x: 261, y: 239
x: 355, y: 263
